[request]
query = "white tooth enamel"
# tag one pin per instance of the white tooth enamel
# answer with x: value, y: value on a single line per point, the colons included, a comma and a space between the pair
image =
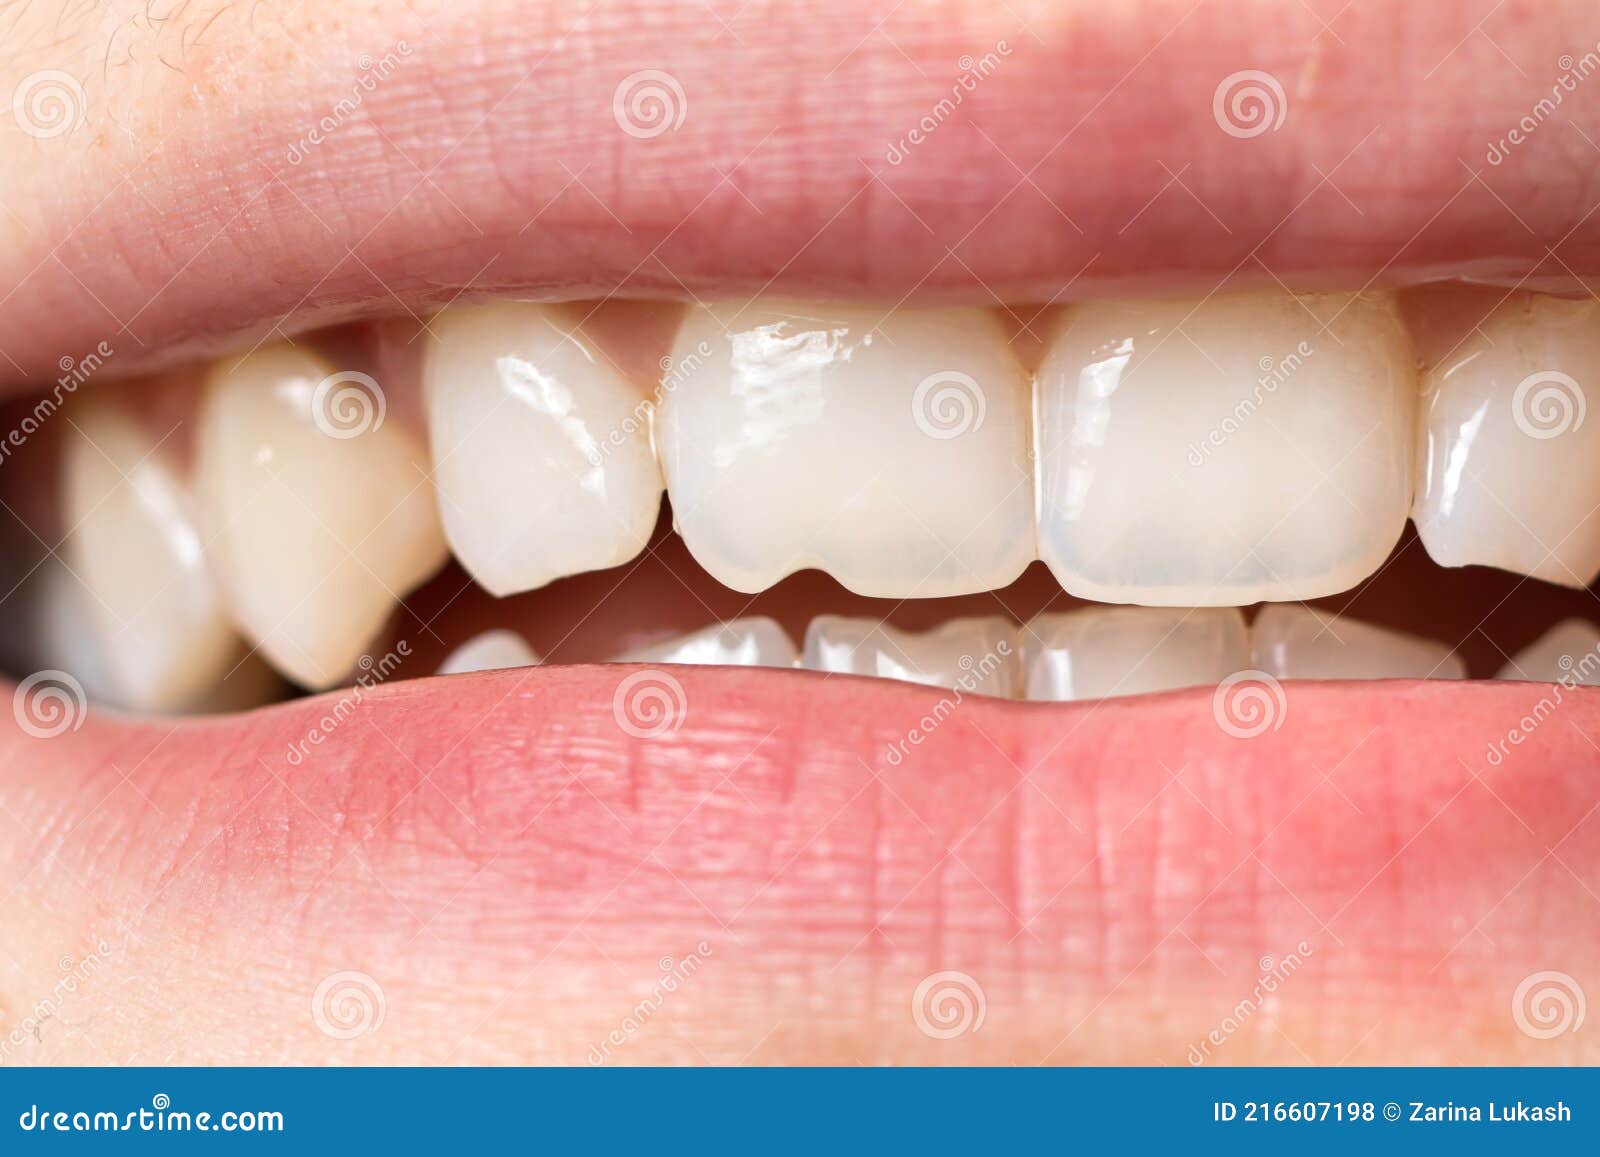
x: 977, y: 655
x: 541, y: 448
x: 1295, y: 642
x: 752, y: 642
x: 1099, y: 652
x: 1221, y: 452
x: 319, y: 524
x: 1568, y: 652
x: 489, y: 651
x: 1508, y: 469
x: 164, y: 635
x: 889, y: 449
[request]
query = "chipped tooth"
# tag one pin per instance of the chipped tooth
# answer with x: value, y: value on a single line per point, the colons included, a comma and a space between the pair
x: 489, y: 651
x: 1568, y: 652
x: 321, y: 513
x: 164, y: 635
x: 1508, y: 469
x: 976, y: 655
x: 1296, y: 642
x: 890, y: 450
x: 541, y: 447
x: 1245, y: 447
x: 754, y: 642
x: 1096, y: 653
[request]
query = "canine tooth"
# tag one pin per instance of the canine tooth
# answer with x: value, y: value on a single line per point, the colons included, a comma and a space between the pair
x: 163, y: 633
x: 541, y: 447
x: 1217, y: 453
x: 1568, y: 651
x: 321, y: 513
x: 890, y: 450
x: 1099, y: 652
x: 1508, y: 469
x: 489, y: 651
x: 976, y: 655
x: 1295, y: 642
x: 752, y: 642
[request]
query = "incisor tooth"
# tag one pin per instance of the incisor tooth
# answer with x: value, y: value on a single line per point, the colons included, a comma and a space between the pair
x: 752, y: 642
x: 976, y: 655
x: 164, y: 635
x: 1508, y: 470
x: 541, y: 448
x: 1295, y: 642
x: 320, y: 512
x: 489, y: 651
x: 1568, y: 651
x: 1221, y: 452
x: 1098, y: 652
x: 890, y: 450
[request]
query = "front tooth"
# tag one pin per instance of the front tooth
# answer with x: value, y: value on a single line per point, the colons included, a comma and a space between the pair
x: 752, y: 642
x: 976, y: 655
x: 489, y: 651
x: 164, y: 635
x: 1567, y: 652
x: 890, y: 450
x: 541, y: 447
x: 1242, y: 448
x: 1508, y: 470
x: 1099, y: 652
x: 1295, y: 642
x: 320, y: 510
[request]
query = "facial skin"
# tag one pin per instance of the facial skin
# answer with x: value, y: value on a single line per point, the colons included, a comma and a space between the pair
x: 487, y: 870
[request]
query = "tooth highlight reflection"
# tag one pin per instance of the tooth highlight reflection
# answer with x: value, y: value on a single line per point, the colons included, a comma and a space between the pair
x: 1097, y: 653
x: 752, y: 642
x: 541, y: 448
x: 978, y: 655
x: 1509, y: 459
x: 1567, y: 652
x: 888, y: 449
x: 1295, y: 642
x: 1222, y: 452
x: 318, y: 526
x: 489, y: 651
x: 160, y: 625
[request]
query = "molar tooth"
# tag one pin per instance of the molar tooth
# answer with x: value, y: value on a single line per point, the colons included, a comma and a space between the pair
x: 1217, y: 453
x: 754, y: 642
x: 1569, y: 651
x: 1295, y: 642
x: 978, y: 655
x: 321, y: 513
x: 1100, y: 652
x: 1508, y: 467
x: 889, y: 450
x: 489, y: 651
x: 164, y: 635
x: 541, y: 447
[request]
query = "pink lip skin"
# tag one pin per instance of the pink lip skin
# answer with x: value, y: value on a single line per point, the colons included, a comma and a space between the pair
x: 1089, y: 158
x: 517, y: 861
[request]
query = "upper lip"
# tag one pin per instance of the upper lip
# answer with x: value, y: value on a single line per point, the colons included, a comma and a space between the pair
x: 1089, y: 160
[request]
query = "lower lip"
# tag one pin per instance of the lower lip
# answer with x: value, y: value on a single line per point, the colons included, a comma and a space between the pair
x: 1130, y: 861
